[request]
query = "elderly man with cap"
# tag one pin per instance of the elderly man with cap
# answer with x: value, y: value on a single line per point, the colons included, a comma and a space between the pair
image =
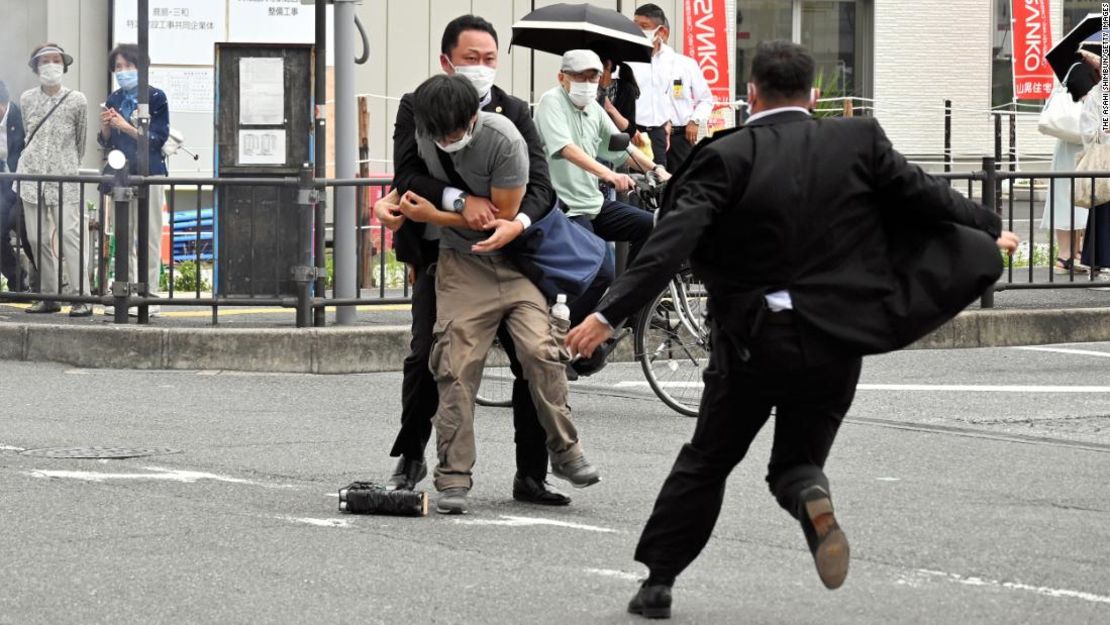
x: 576, y: 133
x: 55, y: 119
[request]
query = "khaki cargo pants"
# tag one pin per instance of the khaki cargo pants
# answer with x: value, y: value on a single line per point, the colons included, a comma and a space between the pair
x: 473, y: 295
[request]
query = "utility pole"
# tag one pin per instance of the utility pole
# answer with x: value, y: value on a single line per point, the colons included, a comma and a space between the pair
x: 345, y: 221
x: 320, y: 156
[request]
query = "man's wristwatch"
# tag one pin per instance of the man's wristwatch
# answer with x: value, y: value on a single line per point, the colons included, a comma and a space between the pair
x: 460, y: 203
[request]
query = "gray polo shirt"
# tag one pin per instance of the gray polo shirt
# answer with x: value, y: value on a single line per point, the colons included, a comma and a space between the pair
x: 497, y: 156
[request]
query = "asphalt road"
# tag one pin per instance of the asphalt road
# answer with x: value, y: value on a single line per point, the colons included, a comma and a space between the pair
x: 972, y: 486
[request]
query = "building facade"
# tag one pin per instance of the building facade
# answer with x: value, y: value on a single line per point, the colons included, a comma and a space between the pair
x: 899, y: 59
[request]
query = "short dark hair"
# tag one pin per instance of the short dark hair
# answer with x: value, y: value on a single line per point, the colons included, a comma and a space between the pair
x: 130, y: 53
x: 782, y: 70
x: 456, y: 27
x: 654, y: 13
x: 5, y: 97
x: 443, y: 105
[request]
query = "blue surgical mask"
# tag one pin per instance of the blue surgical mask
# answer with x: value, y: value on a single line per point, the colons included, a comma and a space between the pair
x: 128, y: 79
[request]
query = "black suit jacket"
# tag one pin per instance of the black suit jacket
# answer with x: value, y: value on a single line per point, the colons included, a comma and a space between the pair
x: 874, y: 252
x: 16, y: 135
x: 410, y: 173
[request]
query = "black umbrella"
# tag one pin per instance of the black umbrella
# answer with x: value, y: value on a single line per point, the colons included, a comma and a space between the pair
x: 1087, y: 33
x: 561, y: 27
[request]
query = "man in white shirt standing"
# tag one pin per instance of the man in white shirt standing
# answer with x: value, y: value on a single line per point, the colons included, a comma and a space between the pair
x: 675, y: 100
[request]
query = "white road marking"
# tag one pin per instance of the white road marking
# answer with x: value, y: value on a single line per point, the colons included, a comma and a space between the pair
x: 524, y: 521
x: 631, y: 577
x: 170, y: 475
x: 952, y: 388
x: 10, y: 448
x: 339, y: 523
x: 984, y: 388
x: 1064, y: 350
x: 889, y: 479
x: 1040, y: 590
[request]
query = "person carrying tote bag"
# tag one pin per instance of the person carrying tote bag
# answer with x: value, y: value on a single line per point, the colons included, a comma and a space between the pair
x: 1060, y: 119
x: 1094, y: 193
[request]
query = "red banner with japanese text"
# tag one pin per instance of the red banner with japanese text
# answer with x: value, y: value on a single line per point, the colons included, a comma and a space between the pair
x: 1032, y: 40
x: 706, y: 40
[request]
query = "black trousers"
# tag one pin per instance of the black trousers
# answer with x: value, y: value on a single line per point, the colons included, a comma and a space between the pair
x: 680, y: 149
x: 9, y: 255
x: 420, y: 396
x: 809, y: 402
x: 658, y: 136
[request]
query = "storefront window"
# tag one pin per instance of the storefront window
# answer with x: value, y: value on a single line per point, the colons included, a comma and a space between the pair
x: 829, y: 31
x: 1002, y: 91
x: 836, y: 32
x: 756, y: 21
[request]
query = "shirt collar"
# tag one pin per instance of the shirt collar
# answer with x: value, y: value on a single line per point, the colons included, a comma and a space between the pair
x: 486, y: 100
x: 4, y: 120
x: 664, y: 50
x: 776, y: 111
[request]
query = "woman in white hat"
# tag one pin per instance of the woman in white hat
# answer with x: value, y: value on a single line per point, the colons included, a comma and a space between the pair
x: 55, y: 119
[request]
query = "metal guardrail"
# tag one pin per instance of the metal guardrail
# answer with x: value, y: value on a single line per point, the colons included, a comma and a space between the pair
x: 185, y: 204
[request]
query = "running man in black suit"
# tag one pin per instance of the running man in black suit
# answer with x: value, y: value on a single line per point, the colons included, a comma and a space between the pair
x: 804, y: 231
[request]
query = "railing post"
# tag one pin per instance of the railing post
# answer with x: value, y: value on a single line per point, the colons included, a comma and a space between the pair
x: 990, y: 200
x: 122, y: 194
x: 997, y: 155
x: 947, y: 136
x: 304, y: 272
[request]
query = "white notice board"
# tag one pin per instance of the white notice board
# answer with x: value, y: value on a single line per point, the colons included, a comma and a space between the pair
x: 182, y: 32
x: 261, y: 147
x: 276, y: 21
x: 261, y: 91
x: 188, y: 89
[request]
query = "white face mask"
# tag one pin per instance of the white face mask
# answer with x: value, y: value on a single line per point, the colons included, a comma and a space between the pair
x: 458, y: 145
x: 582, y: 93
x: 481, y: 76
x: 650, y: 34
x: 50, y: 74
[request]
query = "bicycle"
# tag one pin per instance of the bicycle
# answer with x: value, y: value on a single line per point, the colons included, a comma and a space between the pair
x: 670, y: 336
x: 496, y: 388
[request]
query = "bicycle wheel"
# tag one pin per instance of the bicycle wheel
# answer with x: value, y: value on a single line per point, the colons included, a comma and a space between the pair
x: 672, y: 344
x: 496, y: 389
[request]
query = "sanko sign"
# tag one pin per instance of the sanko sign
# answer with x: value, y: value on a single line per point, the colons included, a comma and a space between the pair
x: 1032, y: 39
x: 706, y: 41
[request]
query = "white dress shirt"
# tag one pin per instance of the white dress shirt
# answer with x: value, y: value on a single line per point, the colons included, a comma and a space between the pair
x: 672, y: 89
x: 4, y: 139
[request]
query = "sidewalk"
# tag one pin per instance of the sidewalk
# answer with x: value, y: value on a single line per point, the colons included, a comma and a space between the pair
x: 267, y: 339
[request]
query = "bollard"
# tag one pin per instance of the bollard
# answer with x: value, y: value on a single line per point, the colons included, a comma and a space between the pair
x: 990, y: 200
x: 122, y: 194
x: 304, y: 273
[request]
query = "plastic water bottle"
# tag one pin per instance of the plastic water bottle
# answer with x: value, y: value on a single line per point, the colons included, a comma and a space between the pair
x: 560, y: 310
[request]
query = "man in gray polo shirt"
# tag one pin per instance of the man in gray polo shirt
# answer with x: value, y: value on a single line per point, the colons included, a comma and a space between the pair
x: 477, y: 287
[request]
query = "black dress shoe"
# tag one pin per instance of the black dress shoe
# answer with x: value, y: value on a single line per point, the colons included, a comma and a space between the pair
x: 407, y: 474
x: 826, y: 540
x: 531, y: 490
x: 651, y: 601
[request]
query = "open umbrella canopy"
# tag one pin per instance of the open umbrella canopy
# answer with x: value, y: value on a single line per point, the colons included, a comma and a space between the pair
x: 1087, y: 33
x: 561, y: 27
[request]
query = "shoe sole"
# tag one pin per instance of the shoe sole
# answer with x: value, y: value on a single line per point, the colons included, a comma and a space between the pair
x: 832, y: 554
x: 540, y: 502
x: 449, y: 510
x: 593, y: 481
x: 652, y: 613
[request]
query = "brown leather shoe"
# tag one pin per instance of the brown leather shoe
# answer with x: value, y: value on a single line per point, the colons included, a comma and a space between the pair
x: 826, y: 540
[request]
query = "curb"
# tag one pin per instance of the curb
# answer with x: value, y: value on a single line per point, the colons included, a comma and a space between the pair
x: 383, y: 348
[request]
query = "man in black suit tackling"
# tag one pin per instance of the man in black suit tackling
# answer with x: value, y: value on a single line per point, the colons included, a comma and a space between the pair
x: 818, y: 243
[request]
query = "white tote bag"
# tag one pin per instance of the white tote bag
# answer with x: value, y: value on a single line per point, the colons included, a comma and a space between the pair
x: 1060, y: 116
